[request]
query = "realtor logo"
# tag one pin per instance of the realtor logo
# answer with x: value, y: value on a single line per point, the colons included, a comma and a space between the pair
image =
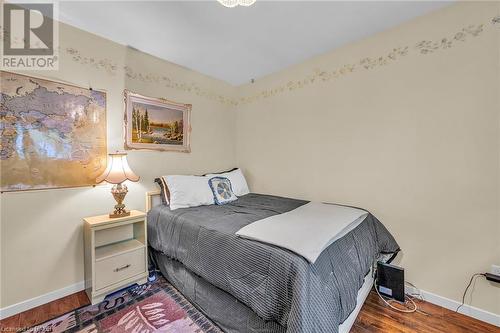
x: 29, y: 36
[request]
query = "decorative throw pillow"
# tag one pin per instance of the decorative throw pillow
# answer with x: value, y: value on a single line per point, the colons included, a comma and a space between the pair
x: 221, y: 188
x: 238, y: 182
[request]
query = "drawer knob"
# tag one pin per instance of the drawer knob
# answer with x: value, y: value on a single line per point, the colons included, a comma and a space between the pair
x: 121, y: 268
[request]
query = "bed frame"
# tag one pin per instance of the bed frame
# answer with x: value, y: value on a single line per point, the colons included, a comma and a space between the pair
x: 153, y: 199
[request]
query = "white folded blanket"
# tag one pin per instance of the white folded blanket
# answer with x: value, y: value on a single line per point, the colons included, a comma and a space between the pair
x: 306, y: 230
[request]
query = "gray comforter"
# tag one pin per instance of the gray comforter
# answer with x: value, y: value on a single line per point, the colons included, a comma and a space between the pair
x: 275, y: 283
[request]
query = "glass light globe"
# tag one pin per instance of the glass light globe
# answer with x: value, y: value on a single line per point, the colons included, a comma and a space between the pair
x: 234, y: 3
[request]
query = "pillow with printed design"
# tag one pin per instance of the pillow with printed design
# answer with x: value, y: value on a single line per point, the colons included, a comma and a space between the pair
x: 222, y: 190
x: 238, y: 182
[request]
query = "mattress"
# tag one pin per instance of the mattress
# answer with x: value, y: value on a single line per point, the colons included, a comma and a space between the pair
x: 226, y: 311
x: 277, y: 285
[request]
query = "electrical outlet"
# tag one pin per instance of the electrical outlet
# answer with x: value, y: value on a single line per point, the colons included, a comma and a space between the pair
x: 495, y: 269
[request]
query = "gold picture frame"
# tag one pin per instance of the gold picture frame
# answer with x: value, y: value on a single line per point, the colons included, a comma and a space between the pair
x: 156, y: 124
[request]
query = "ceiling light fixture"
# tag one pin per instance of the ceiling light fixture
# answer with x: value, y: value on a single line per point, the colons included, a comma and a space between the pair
x: 234, y: 3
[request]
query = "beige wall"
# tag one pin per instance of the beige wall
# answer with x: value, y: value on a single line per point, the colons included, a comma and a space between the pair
x: 41, y: 234
x: 414, y: 139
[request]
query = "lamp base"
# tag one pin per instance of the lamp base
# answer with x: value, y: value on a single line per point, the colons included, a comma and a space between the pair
x: 114, y: 215
x: 119, y: 192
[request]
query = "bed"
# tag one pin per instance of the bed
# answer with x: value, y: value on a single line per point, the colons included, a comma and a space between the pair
x: 245, y: 285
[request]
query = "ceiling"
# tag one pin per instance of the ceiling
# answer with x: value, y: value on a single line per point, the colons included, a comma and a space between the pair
x: 238, y: 44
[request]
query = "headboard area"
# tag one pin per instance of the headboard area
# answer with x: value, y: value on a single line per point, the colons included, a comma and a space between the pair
x: 152, y: 199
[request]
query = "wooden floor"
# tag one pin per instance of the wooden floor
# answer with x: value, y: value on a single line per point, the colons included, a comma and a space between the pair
x: 374, y: 317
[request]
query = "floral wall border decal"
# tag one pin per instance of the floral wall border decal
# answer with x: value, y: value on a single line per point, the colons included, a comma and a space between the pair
x: 112, y: 68
x: 423, y: 47
x: 106, y: 64
x: 168, y: 82
x: 427, y: 46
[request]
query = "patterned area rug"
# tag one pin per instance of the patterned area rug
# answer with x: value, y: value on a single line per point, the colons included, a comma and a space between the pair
x: 153, y: 307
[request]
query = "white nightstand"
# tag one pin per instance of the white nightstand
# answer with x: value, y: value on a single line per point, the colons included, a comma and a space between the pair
x: 115, y: 253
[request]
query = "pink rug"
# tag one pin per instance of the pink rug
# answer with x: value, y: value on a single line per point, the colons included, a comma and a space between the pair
x: 153, y: 307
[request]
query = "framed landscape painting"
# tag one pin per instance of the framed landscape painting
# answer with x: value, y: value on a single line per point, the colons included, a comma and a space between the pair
x: 156, y: 123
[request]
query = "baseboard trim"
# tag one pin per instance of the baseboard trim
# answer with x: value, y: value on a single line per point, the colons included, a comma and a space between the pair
x: 40, y: 300
x: 450, y: 304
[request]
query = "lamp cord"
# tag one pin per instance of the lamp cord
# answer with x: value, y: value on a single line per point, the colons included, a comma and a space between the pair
x: 472, y: 278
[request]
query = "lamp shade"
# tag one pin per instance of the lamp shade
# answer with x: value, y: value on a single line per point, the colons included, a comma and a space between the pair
x: 117, y: 170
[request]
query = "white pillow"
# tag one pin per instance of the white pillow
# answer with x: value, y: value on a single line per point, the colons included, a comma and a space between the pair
x: 238, y: 181
x: 189, y: 191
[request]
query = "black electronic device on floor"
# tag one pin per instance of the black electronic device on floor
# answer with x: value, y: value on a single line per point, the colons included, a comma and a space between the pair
x: 391, y: 281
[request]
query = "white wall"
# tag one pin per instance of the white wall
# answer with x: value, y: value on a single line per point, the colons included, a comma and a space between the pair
x: 41, y: 231
x: 413, y: 138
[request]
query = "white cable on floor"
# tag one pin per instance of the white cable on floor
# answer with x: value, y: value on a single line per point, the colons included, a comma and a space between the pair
x: 395, y: 308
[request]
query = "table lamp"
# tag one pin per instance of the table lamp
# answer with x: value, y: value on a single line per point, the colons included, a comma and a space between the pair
x: 118, y: 171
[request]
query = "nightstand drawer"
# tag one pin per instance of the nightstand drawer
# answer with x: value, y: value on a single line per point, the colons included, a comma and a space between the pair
x: 116, y: 253
x: 114, y: 269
